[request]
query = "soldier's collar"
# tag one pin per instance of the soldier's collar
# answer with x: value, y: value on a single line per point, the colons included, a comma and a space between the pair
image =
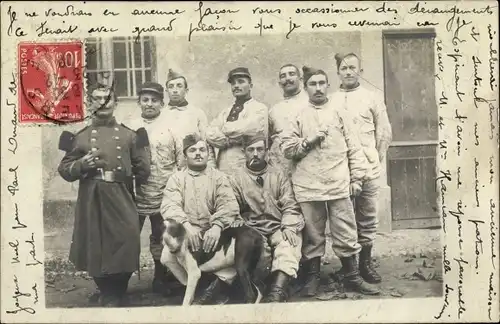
x: 178, y: 105
x: 103, y: 122
x: 316, y: 106
x: 257, y: 173
x: 356, y: 87
x: 288, y: 96
x: 195, y: 173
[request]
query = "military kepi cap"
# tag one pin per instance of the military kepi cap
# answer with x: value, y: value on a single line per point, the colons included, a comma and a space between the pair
x: 190, y: 140
x: 238, y: 72
x: 152, y: 87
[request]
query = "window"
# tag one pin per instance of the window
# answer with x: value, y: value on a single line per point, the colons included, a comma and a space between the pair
x: 123, y: 60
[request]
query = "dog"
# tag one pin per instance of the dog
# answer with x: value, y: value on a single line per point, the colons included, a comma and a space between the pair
x: 248, y: 244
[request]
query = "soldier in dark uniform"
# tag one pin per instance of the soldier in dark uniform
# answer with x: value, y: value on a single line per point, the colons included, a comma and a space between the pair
x: 106, y: 158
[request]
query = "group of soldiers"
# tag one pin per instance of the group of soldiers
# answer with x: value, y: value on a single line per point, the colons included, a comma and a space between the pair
x: 282, y: 171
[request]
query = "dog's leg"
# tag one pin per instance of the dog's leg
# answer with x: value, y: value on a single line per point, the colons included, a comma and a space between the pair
x: 194, y: 275
x: 247, y: 252
x: 170, y: 261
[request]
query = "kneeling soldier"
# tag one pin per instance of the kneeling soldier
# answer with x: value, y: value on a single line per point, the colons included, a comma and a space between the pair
x: 201, y: 199
x: 267, y: 203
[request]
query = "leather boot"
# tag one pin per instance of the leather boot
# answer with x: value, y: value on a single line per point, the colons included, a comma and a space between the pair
x: 211, y: 293
x: 366, y: 269
x: 277, y: 292
x: 353, y: 280
x: 312, y: 276
x: 159, y: 285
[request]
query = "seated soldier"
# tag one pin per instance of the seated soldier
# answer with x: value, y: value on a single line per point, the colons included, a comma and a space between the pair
x: 200, y: 198
x: 267, y: 203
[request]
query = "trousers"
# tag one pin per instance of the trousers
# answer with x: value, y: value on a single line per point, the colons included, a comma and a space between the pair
x: 340, y: 214
x: 281, y: 254
x: 366, y: 210
x: 155, y: 243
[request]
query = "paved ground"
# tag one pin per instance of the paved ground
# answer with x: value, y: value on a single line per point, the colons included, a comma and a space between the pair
x: 408, y: 260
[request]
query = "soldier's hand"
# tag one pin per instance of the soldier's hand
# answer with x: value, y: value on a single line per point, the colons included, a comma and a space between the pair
x: 193, y: 237
x: 318, y: 138
x: 88, y: 162
x: 355, y: 189
x: 289, y: 236
x: 211, y: 238
x: 238, y: 223
x: 322, y: 135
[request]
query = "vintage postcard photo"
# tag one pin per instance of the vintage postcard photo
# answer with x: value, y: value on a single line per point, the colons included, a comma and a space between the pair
x: 250, y: 162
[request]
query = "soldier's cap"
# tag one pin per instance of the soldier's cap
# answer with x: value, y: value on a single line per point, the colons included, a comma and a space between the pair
x: 308, y: 72
x: 248, y: 140
x: 172, y: 75
x: 339, y: 57
x: 151, y: 87
x: 238, y: 72
x: 190, y: 140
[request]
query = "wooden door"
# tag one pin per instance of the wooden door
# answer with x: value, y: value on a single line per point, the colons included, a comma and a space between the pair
x: 412, y: 110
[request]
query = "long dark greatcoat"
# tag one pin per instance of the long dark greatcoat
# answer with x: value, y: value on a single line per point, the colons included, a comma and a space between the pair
x: 106, y: 235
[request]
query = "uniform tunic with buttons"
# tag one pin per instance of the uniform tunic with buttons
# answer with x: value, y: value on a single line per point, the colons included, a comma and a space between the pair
x: 106, y: 232
x: 202, y: 198
x: 231, y: 125
x: 369, y: 114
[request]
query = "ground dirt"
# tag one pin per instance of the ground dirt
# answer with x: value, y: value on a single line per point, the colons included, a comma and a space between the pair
x: 408, y: 260
x: 412, y: 276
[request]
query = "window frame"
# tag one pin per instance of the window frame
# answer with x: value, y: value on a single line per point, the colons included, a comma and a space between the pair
x: 106, y: 59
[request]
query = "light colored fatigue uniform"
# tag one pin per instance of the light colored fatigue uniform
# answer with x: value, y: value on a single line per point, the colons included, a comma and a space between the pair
x: 269, y: 209
x: 374, y: 129
x: 203, y: 199
x: 280, y: 116
x: 186, y: 120
x: 322, y: 177
x: 166, y: 158
x: 252, y: 120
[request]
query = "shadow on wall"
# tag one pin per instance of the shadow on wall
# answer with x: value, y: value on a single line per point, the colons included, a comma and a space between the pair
x: 205, y: 62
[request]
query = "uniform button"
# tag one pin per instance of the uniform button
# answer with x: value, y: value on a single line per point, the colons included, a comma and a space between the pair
x: 118, y: 157
x: 96, y: 158
x: 118, y: 147
x: 94, y: 131
x: 94, y: 149
x: 116, y: 138
x: 119, y: 168
x: 92, y: 139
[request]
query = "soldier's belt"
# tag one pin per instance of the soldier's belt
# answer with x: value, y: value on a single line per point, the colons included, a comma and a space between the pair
x: 110, y: 176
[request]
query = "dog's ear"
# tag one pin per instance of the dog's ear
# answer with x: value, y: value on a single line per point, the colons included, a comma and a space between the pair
x: 176, y: 229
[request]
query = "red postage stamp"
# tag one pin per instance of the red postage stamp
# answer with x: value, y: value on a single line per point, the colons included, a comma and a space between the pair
x: 50, y: 82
